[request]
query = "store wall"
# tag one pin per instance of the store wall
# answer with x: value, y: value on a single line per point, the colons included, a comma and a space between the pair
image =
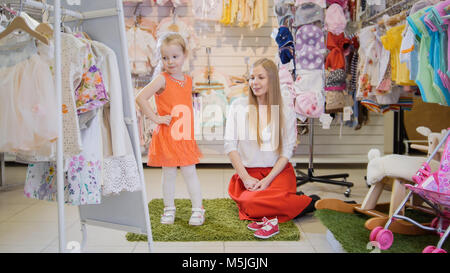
x: 229, y: 47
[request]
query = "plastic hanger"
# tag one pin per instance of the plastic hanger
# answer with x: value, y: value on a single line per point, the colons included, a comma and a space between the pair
x: 173, y: 27
x: 19, y: 23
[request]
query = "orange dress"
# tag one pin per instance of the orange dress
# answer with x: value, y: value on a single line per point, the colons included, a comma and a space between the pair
x: 171, y: 145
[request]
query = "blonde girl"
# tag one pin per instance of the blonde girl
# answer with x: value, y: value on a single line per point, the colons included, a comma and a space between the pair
x: 173, y: 142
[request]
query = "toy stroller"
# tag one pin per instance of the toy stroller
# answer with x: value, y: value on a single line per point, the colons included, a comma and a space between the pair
x: 434, y: 189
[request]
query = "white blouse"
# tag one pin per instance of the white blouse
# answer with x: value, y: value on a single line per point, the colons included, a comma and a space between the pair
x: 238, y: 137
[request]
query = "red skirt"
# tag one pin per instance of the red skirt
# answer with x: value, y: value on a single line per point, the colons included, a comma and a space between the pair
x: 278, y: 200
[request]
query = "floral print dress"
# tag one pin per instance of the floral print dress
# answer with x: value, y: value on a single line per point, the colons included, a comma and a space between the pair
x: 82, y: 172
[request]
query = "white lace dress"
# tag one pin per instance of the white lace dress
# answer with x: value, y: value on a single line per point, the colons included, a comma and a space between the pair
x: 120, y: 170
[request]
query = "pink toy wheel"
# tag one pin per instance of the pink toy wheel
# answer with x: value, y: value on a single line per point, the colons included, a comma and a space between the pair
x: 428, y: 249
x: 439, y: 250
x: 373, y: 234
x: 434, y: 223
x: 385, y: 238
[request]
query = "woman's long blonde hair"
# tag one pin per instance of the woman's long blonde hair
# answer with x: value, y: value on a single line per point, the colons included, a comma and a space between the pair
x: 273, y: 98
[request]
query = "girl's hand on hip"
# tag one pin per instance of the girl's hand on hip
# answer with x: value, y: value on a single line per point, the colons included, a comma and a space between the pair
x: 164, y: 119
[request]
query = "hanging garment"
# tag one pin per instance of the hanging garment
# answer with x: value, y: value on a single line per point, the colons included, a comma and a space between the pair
x: 285, y: 43
x: 82, y: 179
x: 309, y: 48
x: 91, y: 94
x: 207, y: 9
x: 73, y: 54
x: 335, y: 80
x: 309, y: 98
x: 336, y: 44
x: 308, y: 13
x: 181, y: 25
x: 28, y: 107
x: 428, y: 91
x: 141, y: 50
x: 120, y: 172
x: 335, y: 20
x: 210, y: 100
x: 392, y: 41
x: 169, y: 149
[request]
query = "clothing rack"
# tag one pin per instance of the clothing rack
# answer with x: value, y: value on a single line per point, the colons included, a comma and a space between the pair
x: 302, y: 177
x: 108, y: 15
x: 407, y: 4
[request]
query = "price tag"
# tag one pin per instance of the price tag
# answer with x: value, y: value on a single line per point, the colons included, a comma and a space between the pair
x: 348, y: 111
x: 326, y: 120
x: 274, y: 33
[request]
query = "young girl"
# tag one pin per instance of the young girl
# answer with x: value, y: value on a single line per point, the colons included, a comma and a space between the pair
x: 173, y: 142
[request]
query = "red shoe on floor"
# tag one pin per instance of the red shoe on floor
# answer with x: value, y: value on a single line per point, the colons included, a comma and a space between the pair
x: 257, y: 225
x: 269, y: 229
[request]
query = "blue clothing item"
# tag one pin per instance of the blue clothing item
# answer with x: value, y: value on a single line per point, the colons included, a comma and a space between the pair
x: 414, y: 62
x: 435, y: 56
x: 437, y: 25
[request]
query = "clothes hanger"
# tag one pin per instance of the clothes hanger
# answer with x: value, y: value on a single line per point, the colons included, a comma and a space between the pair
x: 173, y: 27
x: 44, y: 28
x: 19, y: 23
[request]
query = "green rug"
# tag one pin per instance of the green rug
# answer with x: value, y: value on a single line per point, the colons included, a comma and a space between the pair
x: 349, y: 231
x: 222, y: 224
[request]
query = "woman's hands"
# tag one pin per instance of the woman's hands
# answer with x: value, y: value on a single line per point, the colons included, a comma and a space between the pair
x: 249, y: 182
x: 253, y: 184
x: 262, y: 184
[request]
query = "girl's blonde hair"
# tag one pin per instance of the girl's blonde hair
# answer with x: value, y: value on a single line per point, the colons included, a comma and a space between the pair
x: 273, y: 98
x: 171, y: 38
x: 165, y: 39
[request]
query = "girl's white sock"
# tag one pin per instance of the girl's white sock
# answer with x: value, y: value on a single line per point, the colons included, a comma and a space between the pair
x: 193, y: 185
x: 169, y: 176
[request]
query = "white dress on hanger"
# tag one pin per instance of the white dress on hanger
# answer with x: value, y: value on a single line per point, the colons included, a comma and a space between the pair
x: 119, y: 164
x: 28, y: 108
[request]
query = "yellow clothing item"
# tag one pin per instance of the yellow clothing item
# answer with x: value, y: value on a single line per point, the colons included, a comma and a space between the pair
x: 392, y: 41
x: 234, y: 11
x: 226, y: 13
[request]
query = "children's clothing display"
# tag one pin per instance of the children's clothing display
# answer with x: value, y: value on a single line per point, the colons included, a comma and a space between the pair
x: 98, y: 154
x: 174, y: 145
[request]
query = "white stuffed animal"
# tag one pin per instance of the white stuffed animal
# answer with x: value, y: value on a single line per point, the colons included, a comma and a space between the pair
x: 398, y: 166
x: 433, y: 140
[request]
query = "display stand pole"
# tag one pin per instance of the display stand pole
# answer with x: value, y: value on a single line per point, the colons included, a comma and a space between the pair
x: 2, y: 171
x: 303, y: 178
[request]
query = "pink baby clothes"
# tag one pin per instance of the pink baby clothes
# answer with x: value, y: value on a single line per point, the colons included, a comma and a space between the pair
x: 335, y: 20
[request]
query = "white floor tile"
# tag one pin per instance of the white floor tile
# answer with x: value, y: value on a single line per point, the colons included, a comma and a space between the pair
x: 29, y: 225
x: 181, y: 247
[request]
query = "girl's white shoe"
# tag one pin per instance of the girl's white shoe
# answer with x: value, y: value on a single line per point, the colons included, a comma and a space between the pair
x: 168, y: 217
x: 197, y: 217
